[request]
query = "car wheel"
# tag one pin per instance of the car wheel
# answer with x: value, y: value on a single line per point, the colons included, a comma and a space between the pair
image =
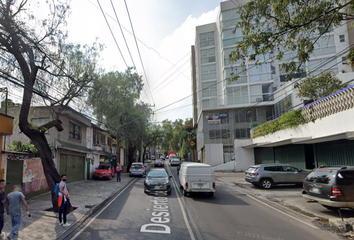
x: 169, y: 192
x: 185, y: 193
x: 211, y: 194
x: 130, y: 175
x: 331, y: 208
x: 266, y: 183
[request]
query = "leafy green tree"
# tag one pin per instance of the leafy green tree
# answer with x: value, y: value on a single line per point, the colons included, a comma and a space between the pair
x: 315, y: 88
x: 115, y: 100
x: 293, y: 25
x: 35, y: 56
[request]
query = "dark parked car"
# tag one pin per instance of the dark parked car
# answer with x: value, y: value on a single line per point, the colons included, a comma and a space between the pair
x: 159, y: 163
x: 157, y: 181
x: 269, y: 175
x: 332, y: 187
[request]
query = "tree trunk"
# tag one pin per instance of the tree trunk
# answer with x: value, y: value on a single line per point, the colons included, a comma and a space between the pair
x: 131, y: 151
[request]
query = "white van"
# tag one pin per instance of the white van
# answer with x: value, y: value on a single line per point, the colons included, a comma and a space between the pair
x: 197, y: 177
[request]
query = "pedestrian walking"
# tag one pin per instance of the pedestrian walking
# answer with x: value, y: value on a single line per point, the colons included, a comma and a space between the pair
x: 14, y: 201
x: 63, y: 198
x: 119, y: 170
x: 2, y: 209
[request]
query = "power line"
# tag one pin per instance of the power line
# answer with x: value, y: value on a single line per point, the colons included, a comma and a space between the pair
x: 110, y: 29
x: 137, y: 46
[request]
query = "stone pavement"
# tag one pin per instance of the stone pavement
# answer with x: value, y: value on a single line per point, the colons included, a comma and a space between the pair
x: 44, y: 225
x: 285, y: 195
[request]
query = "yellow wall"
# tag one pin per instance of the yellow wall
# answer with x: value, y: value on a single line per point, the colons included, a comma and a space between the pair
x: 6, y: 125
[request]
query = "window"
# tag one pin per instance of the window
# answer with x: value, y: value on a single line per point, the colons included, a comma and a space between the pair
x: 320, y: 176
x: 344, y: 60
x: 261, y: 92
x: 342, y: 38
x: 225, y: 133
x: 240, y: 71
x: 214, y: 134
x: 74, y: 131
x: 247, y: 115
x: 345, y: 177
x: 208, y: 72
x: 207, y: 55
x: 206, y: 39
x: 229, y: 38
x: 40, y: 121
x: 316, y: 67
x: 236, y: 95
x: 209, y: 89
x: 103, y: 139
x: 241, y: 133
x: 227, y: 61
x: 290, y: 169
x: 324, y: 46
x: 110, y: 142
x: 274, y: 169
x: 261, y: 72
x: 229, y: 18
x: 95, y: 137
x: 208, y: 103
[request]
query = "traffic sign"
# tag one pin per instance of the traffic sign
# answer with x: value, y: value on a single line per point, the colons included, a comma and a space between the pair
x: 192, y: 143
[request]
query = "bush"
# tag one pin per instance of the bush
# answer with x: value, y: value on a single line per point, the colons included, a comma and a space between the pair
x: 18, y: 146
x: 288, y: 120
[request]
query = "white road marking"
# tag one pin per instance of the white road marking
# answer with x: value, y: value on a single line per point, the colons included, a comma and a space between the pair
x: 268, y: 205
x: 84, y: 228
x: 181, y: 206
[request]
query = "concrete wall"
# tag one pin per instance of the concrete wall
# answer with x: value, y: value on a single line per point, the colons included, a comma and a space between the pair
x: 226, y: 167
x: 243, y: 157
x: 214, y: 154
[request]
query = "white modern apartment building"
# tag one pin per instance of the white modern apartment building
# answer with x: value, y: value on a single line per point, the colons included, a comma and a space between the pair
x: 225, y: 111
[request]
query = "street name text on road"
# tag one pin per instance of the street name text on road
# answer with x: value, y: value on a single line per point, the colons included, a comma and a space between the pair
x: 160, y: 217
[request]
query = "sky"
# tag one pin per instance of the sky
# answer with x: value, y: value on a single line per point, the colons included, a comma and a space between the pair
x: 165, y: 31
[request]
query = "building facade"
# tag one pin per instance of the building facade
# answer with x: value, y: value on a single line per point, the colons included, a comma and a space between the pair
x: 226, y: 110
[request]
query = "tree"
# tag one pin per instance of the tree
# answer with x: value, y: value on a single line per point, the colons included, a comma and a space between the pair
x: 115, y: 100
x: 315, y: 88
x: 153, y: 136
x: 273, y: 26
x: 34, y: 55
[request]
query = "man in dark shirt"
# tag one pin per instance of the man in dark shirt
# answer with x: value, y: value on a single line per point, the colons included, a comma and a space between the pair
x: 2, y: 200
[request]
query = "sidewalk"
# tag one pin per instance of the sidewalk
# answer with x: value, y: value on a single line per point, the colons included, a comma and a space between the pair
x: 44, y: 225
x: 286, y: 195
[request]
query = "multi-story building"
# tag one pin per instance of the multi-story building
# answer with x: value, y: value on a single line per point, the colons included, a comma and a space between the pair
x: 226, y: 110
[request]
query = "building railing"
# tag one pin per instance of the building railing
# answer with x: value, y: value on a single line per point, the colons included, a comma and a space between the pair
x: 332, y: 104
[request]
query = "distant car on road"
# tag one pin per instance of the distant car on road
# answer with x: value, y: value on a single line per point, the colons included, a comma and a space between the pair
x: 104, y: 171
x: 148, y: 160
x: 152, y: 157
x: 137, y: 169
x: 268, y: 175
x: 175, y: 162
x: 162, y: 157
x: 332, y: 187
x: 159, y: 163
x: 157, y: 181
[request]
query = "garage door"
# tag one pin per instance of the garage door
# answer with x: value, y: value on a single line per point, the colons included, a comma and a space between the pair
x: 73, y: 167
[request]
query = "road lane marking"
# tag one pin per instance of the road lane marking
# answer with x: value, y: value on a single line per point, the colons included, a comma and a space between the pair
x: 105, y: 207
x: 181, y: 206
x: 268, y: 205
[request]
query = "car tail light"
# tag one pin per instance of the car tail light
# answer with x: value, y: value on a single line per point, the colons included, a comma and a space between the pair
x: 213, y: 184
x: 142, y: 167
x: 186, y: 184
x: 254, y: 174
x: 336, y: 192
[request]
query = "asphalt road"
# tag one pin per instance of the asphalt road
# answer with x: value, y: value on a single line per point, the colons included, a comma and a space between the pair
x: 228, y: 215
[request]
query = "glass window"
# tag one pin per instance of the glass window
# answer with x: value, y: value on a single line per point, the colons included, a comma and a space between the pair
x: 342, y: 38
x: 316, y: 67
x: 208, y: 72
x: 320, y: 176
x: 225, y: 133
x: 207, y: 55
x: 214, y: 134
x: 290, y: 169
x: 74, y: 131
x: 324, y: 46
x: 209, y: 89
x: 345, y: 177
x: 207, y: 103
x: 247, y: 115
x: 259, y: 73
x: 274, y: 169
x: 240, y: 71
x: 236, y: 95
x: 207, y: 39
x: 242, y: 133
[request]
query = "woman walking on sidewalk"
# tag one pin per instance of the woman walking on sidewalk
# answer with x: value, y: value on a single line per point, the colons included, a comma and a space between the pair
x: 118, y: 169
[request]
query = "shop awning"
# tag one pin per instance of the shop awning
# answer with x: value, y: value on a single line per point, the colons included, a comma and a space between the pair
x: 72, y: 147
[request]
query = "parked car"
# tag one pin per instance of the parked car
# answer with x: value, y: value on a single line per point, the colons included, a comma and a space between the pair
x: 175, y: 162
x: 152, y: 157
x: 269, y: 175
x: 157, y: 181
x: 197, y: 177
x: 159, y: 163
x: 104, y: 171
x: 137, y: 169
x: 162, y: 157
x: 148, y: 161
x: 167, y: 157
x: 332, y: 187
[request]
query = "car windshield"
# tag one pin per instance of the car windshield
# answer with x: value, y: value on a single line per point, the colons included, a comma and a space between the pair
x: 158, y: 160
x: 157, y: 174
x: 251, y: 169
x: 105, y: 167
x: 320, y: 176
x: 175, y: 160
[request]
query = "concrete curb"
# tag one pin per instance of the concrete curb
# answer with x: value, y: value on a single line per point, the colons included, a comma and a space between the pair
x: 92, y: 211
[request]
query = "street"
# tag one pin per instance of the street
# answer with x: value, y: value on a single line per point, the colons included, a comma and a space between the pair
x: 230, y: 214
